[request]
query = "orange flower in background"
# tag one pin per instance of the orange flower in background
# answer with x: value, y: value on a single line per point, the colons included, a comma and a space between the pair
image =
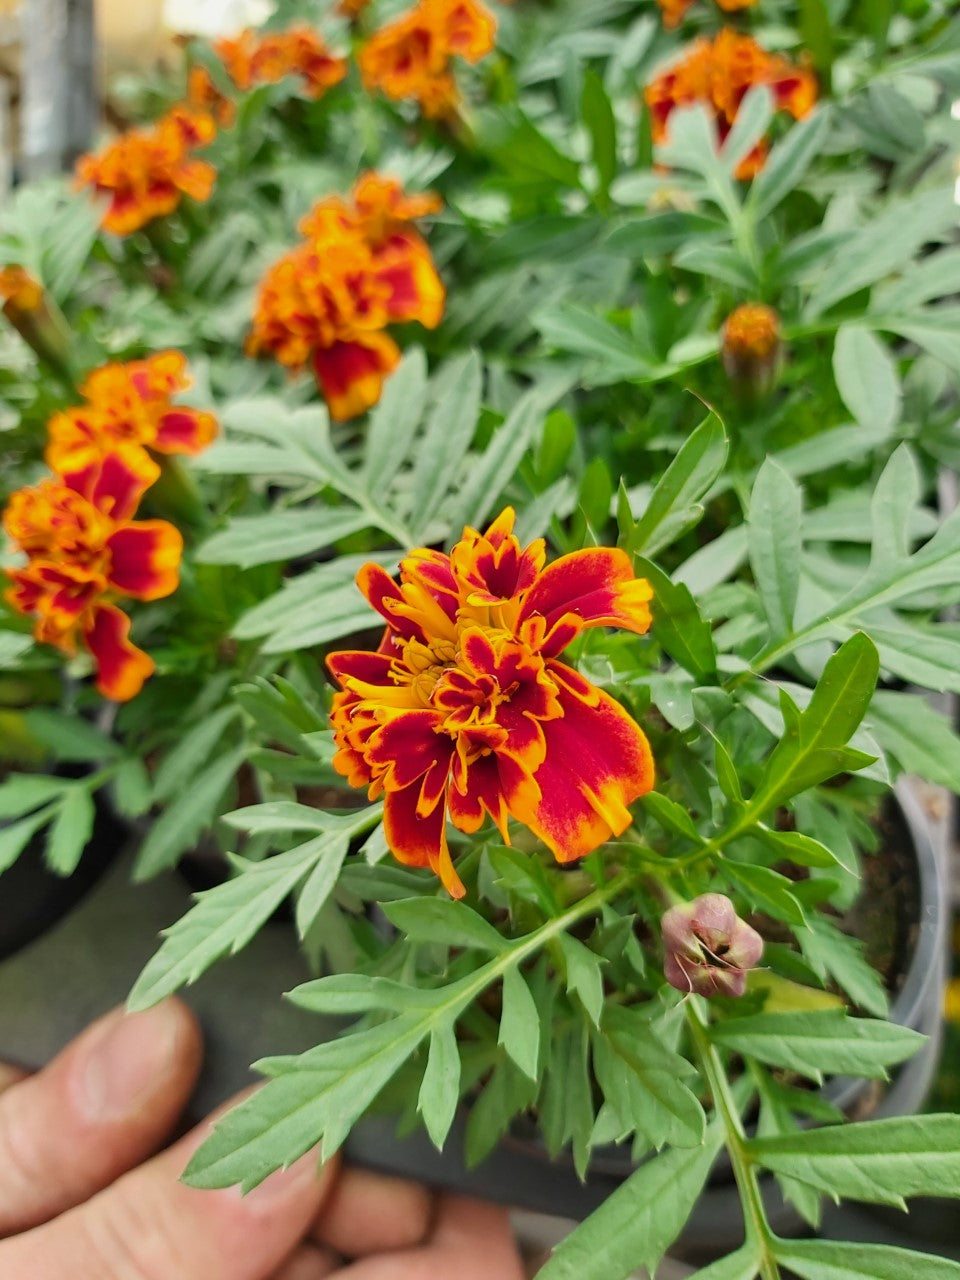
x: 674, y: 11
x: 751, y: 348
x: 130, y: 405
x: 465, y: 711
x: 328, y: 301
x: 85, y: 551
x: 251, y: 59
x: 19, y: 289
x: 203, y: 95
x: 146, y: 172
x: 352, y: 8
x: 410, y: 58
x: 719, y: 73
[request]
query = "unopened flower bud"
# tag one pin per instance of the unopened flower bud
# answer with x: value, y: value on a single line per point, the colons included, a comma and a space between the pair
x: 34, y: 315
x: 751, y: 349
x: 708, y: 949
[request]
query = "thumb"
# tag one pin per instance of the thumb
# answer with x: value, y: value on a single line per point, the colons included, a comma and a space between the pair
x: 150, y: 1226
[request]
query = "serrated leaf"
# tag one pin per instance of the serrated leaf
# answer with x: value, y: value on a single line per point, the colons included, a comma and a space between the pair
x: 440, y: 920
x: 814, y: 1044
x: 70, y: 831
x: 920, y: 738
x: 492, y: 471
x: 181, y: 764
x: 281, y: 535
x: 278, y: 815
x: 15, y: 836
x: 677, y: 624
x: 640, y: 1220
x: 742, y: 1265
x: 21, y: 792
x: 831, y: 953
x: 223, y: 920
x: 699, y: 461
x: 519, y: 1023
x: 671, y: 816
x: 132, y: 788
x: 774, y: 531
x: 345, y: 993
x: 320, y: 884
x: 767, y: 889
x: 880, y: 1161
x: 70, y: 737
x: 584, y: 975
x: 839, y: 1260
x: 440, y: 1089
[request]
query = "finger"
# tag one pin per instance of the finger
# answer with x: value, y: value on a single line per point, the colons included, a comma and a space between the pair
x: 151, y: 1226
x: 101, y: 1106
x: 471, y: 1241
x: 371, y: 1213
x: 10, y: 1075
x: 308, y: 1262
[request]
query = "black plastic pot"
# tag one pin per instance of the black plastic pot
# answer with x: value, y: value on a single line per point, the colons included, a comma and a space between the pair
x: 76, y: 968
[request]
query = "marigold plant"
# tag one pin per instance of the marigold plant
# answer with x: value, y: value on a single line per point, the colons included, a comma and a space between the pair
x: 466, y: 712
x: 329, y: 301
x: 719, y: 73
x: 84, y: 551
x: 129, y: 405
x: 252, y: 58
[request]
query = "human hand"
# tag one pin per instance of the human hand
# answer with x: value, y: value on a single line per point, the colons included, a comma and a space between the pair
x: 80, y: 1195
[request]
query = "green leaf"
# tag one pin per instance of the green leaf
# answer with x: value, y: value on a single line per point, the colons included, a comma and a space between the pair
x: 449, y: 431
x: 742, y: 1265
x: 278, y: 815
x: 393, y: 422
x: 920, y: 738
x: 768, y: 890
x: 671, y: 816
x: 223, y: 920
x: 519, y: 1023
x: 21, y: 792
x: 796, y: 846
x: 132, y: 789
x: 492, y: 471
x: 827, y: 1041
x: 186, y: 816
x: 180, y: 765
x: 70, y: 738
x: 699, y: 461
x: 832, y: 953
x: 598, y: 117
x: 677, y: 623
x: 320, y: 883
x: 866, y: 377
x: 637, y: 1224
x: 71, y: 830
x: 281, y: 535
x: 787, y: 163
x: 884, y: 245
x: 750, y: 126
x: 566, y: 1103
x: 352, y: 993
x: 15, y: 836
x: 440, y: 920
x: 774, y: 524
x: 836, y: 1260
x: 584, y: 975
x: 569, y: 327
x: 880, y: 1161
x: 440, y: 1089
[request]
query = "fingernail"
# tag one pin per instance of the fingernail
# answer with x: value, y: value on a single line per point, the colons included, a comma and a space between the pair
x: 125, y: 1060
x: 302, y: 1174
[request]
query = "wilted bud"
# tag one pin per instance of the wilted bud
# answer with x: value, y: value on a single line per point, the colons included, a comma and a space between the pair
x: 751, y: 349
x: 708, y: 948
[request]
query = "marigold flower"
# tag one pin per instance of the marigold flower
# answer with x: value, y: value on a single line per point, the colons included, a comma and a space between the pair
x: 465, y: 710
x: 708, y: 949
x: 674, y: 11
x: 130, y: 405
x: 352, y: 8
x: 84, y: 551
x: 410, y: 58
x: 147, y: 172
x: 252, y: 59
x: 751, y: 346
x: 203, y: 95
x: 329, y: 300
x: 719, y: 73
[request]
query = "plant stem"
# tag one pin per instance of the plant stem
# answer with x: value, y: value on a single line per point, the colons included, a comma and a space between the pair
x: 754, y: 1214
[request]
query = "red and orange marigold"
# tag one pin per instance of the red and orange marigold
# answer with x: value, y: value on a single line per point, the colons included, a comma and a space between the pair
x: 466, y: 711
x: 146, y: 172
x: 328, y: 301
x: 410, y: 58
x: 84, y: 551
x: 719, y: 73
x: 253, y: 58
x: 130, y: 405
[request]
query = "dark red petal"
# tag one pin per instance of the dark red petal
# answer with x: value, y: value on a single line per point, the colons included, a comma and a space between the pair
x: 121, y: 666
x: 597, y: 586
x: 145, y: 559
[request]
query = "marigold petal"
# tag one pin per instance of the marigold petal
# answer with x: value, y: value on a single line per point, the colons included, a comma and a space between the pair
x: 598, y: 761
x: 384, y: 595
x: 145, y: 559
x: 597, y: 586
x: 121, y: 666
x: 409, y: 747
x: 360, y: 664
x: 497, y: 785
x: 419, y: 840
x: 182, y: 430
x: 114, y: 484
x: 351, y: 374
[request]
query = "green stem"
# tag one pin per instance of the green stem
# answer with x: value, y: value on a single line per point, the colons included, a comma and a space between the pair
x: 754, y: 1214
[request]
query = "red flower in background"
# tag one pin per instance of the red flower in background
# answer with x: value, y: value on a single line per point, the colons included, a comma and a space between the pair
x: 328, y: 302
x: 130, y: 405
x: 465, y: 711
x: 85, y: 551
